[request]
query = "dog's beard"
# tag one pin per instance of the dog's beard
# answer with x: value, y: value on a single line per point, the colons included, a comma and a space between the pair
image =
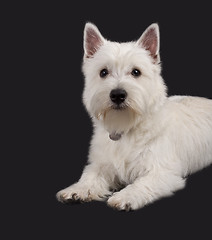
x: 118, y: 119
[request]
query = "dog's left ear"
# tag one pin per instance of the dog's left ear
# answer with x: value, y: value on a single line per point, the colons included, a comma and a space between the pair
x: 93, y: 40
x: 150, y: 40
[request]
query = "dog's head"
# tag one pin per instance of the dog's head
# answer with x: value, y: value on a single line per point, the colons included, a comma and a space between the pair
x: 122, y: 80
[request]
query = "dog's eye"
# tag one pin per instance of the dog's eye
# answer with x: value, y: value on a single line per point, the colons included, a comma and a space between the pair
x: 135, y: 72
x: 103, y: 73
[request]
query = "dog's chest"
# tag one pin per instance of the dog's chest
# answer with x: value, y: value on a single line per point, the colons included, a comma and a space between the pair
x: 127, y: 159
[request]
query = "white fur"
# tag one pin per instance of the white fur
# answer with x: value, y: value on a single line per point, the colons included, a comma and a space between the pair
x: 163, y: 139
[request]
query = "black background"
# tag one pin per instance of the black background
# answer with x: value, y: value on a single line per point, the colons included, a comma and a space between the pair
x: 55, y: 129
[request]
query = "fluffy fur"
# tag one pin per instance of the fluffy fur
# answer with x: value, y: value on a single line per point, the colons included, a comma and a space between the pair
x: 160, y: 139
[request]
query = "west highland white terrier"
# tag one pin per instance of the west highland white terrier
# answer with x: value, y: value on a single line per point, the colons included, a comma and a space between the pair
x: 144, y: 143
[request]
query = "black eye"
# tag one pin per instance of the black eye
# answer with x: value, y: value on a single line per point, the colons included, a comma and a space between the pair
x: 103, y: 73
x: 135, y: 72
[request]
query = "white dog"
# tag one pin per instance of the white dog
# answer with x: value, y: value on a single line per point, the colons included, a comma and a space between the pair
x: 144, y: 143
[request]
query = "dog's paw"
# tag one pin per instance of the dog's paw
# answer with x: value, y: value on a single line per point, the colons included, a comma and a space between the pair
x: 74, y: 194
x: 118, y: 203
x: 80, y: 193
x: 123, y: 202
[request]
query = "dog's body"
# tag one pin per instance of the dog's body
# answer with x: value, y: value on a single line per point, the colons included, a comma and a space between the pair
x: 144, y: 142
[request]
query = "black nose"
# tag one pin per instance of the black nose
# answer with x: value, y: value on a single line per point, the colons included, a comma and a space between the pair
x: 118, y: 95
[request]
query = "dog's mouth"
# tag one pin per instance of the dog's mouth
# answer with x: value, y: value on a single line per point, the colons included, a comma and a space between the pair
x: 119, y: 106
x: 115, y: 136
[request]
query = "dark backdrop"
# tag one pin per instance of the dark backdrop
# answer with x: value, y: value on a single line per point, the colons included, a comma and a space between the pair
x: 54, y: 151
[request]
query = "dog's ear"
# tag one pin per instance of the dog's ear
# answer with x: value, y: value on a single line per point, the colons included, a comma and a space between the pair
x: 150, y: 40
x: 93, y: 40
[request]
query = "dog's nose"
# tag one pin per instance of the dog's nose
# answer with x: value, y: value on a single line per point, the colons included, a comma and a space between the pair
x: 118, y: 95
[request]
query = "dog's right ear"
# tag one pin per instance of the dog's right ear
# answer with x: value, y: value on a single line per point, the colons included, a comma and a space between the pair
x: 93, y: 40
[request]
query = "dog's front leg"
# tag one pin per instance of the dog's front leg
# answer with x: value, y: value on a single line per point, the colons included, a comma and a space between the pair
x: 146, y: 190
x: 91, y: 186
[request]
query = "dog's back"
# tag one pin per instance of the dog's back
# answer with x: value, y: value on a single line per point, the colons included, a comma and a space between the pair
x: 193, y: 116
